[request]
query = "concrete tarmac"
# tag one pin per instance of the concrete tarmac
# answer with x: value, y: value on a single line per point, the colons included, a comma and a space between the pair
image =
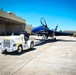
x: 49, y: 58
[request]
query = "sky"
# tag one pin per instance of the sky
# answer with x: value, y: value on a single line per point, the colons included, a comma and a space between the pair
x: 61, y: 12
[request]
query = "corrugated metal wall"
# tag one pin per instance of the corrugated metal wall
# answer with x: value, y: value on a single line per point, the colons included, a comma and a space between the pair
x: 2, y: 28
x: 17, y: 29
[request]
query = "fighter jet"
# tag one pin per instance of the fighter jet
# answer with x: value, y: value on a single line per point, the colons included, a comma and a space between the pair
x: 44, y: 31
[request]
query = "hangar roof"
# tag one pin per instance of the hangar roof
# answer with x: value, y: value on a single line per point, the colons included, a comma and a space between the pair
x: 10, y: 18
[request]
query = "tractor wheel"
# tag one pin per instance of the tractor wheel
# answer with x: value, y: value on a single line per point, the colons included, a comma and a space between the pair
x: 31, y: 45
x: 19, y: 49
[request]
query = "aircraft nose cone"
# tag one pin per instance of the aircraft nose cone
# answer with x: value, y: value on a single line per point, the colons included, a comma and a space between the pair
x: 33, y: 30
x: 37, y: 29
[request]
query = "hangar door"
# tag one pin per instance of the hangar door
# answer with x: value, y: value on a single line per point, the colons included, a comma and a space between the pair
x: 2, y: 28
x: 17, y: 29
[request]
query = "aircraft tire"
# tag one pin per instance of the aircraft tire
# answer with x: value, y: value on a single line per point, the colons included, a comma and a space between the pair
x: 55, y: 39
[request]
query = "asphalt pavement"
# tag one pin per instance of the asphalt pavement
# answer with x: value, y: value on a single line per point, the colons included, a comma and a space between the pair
x: 47, y: 58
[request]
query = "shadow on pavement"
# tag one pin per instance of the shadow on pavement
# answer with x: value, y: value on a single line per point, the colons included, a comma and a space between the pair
x: 18, y: 54
x: 39, y: 43
x: 52, y: 41
x: 66, y: 40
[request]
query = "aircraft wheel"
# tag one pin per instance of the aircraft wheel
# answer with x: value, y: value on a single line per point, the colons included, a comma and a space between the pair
x: 46, y: 37
x: 55, y: 39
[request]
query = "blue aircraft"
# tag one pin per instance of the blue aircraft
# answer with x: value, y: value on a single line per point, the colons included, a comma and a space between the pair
x: 44, y: 31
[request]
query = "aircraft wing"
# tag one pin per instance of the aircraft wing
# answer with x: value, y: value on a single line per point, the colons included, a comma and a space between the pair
x: 63, y: 34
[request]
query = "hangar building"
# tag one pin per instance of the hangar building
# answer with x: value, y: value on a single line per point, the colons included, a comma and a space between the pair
x: 29, y: 28
x: 10, y: 23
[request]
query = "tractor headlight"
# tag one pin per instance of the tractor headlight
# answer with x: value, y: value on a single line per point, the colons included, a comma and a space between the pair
x: 13, y: 43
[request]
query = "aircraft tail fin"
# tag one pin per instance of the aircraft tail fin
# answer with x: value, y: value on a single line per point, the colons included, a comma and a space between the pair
x: 43, y: 19
x: 56, y: 28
